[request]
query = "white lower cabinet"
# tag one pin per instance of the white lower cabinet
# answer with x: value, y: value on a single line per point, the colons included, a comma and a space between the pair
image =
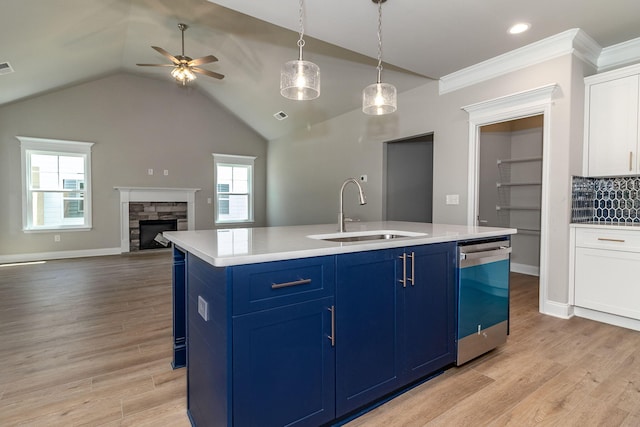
x: 606, y: 271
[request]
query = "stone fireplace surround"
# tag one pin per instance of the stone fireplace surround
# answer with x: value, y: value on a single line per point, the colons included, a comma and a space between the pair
x: 139, y: 203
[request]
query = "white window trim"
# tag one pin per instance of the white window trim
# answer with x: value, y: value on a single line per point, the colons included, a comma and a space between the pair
x: 233, y: 159
x: 46, y: 145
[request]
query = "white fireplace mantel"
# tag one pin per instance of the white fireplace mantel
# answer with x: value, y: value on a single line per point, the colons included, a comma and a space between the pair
x: 153, y: 194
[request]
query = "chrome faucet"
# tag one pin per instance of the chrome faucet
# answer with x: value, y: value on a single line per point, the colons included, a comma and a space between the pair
x: 362, y: 200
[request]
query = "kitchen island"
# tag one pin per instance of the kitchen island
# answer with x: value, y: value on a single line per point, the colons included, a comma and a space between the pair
x: 286, y: 326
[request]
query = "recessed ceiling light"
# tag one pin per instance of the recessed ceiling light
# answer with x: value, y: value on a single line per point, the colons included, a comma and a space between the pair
x: 520, y: 27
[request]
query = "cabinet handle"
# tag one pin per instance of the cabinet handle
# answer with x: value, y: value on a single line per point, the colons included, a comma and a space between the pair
x: 413, y: 268
x: 605, y: 239
x: 332, y: 337
x: 287, y: 284
x: 404, y: 270
x: 630, y: 161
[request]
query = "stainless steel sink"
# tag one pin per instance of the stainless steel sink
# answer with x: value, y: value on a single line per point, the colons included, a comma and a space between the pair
x: 364, y: 236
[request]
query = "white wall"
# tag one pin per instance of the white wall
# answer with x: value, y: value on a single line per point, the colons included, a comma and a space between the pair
x: 136, y: 123
x: 305, y: 169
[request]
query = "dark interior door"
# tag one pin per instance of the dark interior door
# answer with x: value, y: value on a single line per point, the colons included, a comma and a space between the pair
x: 410, y: 179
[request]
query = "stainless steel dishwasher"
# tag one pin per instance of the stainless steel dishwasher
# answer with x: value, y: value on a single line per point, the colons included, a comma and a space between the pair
x: 483, y: 297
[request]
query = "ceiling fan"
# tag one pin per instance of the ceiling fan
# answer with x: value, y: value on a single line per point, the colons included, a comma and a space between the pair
x: 184, y: 68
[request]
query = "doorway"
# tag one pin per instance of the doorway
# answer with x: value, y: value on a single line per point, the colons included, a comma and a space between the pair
x: 409, y: 179
x: 537, y: 101
x: 510, y: 185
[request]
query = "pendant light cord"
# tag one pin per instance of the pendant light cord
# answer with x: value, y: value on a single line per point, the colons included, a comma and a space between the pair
x: 301, y: 22
x: 379, y: 67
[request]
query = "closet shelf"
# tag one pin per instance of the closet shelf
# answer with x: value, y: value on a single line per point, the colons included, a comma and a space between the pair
x: 518, y: 208
x: 520, y: 160
x: 514, y: 184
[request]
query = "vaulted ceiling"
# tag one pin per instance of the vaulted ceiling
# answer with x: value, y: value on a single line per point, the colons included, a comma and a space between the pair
x: 55, y: 44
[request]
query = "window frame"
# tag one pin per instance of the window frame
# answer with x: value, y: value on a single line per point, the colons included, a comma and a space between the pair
x: 234, y: 160
x: 54, y: 147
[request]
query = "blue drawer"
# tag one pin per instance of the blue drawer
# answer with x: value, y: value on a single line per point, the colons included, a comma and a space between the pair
x: 275, y: 284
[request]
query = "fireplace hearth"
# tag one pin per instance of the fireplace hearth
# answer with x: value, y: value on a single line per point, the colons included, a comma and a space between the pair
x: 151, y: 233
x: 152, y: 218
x: 139, y: 204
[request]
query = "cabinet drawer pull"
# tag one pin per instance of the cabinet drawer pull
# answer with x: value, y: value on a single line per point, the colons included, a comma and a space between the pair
x: 332, y: 337
x: 630, y: 161
x: 605, y: 239
x: 413, y: 268
x: 287, y: 284
x: 404, y: 270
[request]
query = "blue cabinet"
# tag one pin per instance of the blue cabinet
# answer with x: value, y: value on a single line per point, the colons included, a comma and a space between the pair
x: 395, y: 320
x: 284, y: 366
x: 303, y: 342
x: 179, y: 316
x: 259, y: 348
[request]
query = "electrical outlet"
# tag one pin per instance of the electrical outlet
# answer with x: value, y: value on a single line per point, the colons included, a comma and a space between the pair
x: 166, y: 172
x: 203, y: 308
x: 56, y: 238
x: 209, y: 200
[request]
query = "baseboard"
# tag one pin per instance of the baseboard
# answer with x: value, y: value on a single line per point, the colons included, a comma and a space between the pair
x: 44, y: 256
x: 612, y: 319
x: 531, y: 270
x: 557, y: 309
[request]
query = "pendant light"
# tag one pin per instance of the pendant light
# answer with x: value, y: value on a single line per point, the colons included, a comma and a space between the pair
x: 379, y: 98
x: 300, y: 80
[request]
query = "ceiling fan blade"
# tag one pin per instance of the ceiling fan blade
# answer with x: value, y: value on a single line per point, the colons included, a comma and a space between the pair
x: 167, y: 54
x: 207, y: 73
x: 156, y: 65
x: 204, y: 60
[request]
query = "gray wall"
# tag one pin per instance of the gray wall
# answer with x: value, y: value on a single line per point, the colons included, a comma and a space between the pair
x: 305, y: 169
x: 136, y: 123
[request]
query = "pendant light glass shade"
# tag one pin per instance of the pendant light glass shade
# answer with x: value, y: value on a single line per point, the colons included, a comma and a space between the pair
x: 300, y: 80
x: 379, y: 98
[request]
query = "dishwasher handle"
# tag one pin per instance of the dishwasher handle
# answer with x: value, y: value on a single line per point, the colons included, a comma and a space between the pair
x: 502, y: 251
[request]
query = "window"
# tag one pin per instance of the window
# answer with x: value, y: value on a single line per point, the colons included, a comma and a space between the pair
x: 56, y: 184
x: 233, y: 182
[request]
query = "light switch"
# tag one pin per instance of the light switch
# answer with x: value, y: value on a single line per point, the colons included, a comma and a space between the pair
x: 150, y: 171
x: 166, y: 172
x: 453, y: 199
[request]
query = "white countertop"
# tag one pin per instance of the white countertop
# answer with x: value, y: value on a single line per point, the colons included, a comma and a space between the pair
x: 236, y: 246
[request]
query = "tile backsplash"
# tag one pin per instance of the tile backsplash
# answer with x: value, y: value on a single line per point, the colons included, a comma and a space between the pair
x: 608, y: 200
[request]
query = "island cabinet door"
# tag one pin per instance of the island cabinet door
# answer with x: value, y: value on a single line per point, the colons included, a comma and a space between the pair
x: 284, y: 366
x: 367, y: 358
x: 427, y: 316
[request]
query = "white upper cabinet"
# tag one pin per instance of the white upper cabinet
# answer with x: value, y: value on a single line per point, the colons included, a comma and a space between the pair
x: 612, y: 112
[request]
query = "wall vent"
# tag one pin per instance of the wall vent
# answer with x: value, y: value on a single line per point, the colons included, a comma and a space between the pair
x: 280, y: 115
x: 5, y: 68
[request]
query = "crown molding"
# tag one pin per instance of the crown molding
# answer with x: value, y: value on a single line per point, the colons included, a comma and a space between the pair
x: 619, y: 55
x: 511, y: 103
x: 574, y: 41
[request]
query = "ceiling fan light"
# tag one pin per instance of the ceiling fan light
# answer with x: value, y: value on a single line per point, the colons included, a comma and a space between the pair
x: 300, y: 80
x: 379, y: 99
x: 183, y: 74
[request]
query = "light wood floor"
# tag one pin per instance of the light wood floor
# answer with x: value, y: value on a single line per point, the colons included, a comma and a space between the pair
x: 88, y: 342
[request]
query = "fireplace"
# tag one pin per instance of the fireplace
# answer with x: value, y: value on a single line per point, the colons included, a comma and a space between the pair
x: 151, y: 233
x: 139, y: 204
